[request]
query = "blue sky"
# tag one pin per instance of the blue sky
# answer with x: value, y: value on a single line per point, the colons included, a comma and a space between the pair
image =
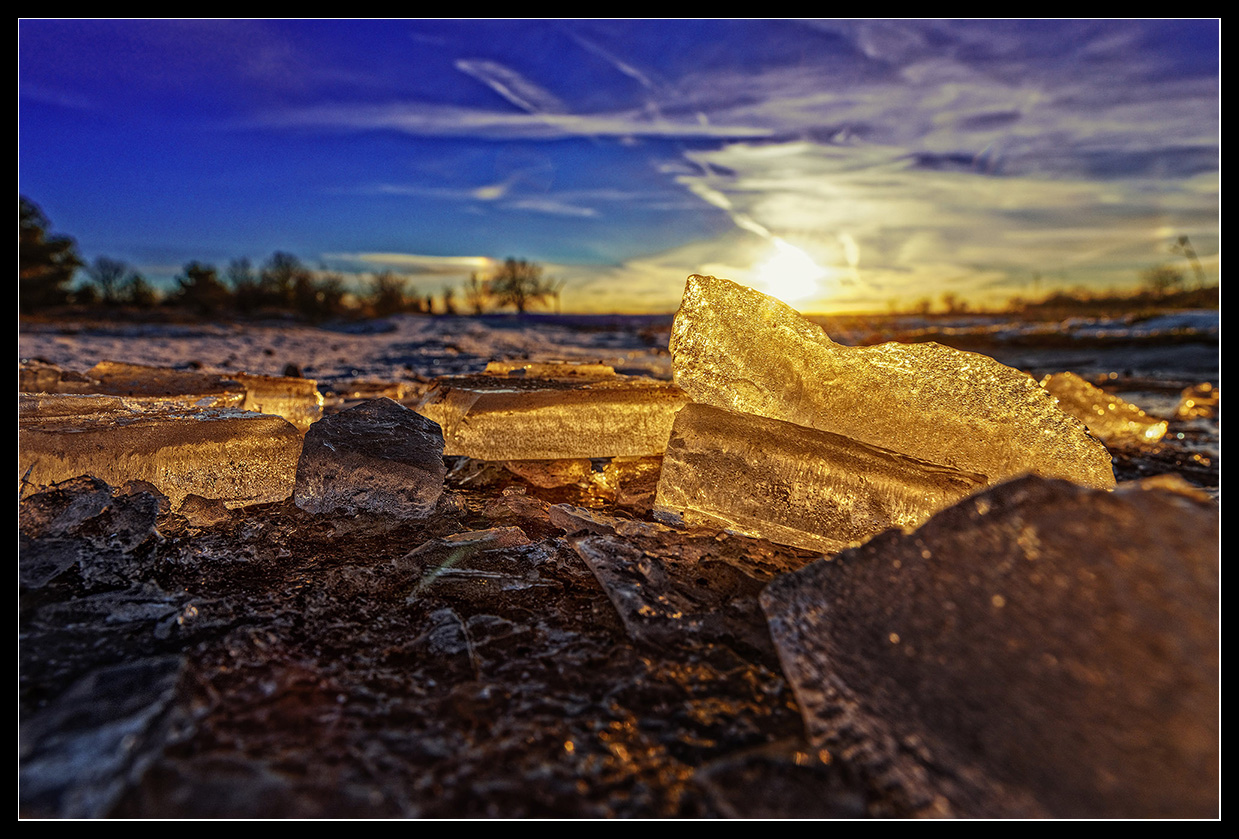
x: 839, y: 164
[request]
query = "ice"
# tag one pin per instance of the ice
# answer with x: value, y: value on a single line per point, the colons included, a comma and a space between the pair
x: 517, y: 417
x: 1113, y: 420
x: 1199, y: 401
x: 295, y: 399
x: 235, y: 456
x: 377, y: 458
x: 796, y: 485
x: 1038, y: 649
x: 736, y: 348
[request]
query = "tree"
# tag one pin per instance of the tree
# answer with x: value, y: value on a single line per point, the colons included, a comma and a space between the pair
x: 108, y: 274
x: 477, y: 293
x: 387, y: 293
x: 136, y: 291
x: 279, y: 279
x: 247, y: 293
x: 200, y: 289
x: 1162, y: 279
x: 519, y: 283
x: 46, y: 264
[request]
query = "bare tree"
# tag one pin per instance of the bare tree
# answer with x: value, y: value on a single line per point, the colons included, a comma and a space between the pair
x: 107, y: 274
x: 519, y: 283
x: 477, y: 293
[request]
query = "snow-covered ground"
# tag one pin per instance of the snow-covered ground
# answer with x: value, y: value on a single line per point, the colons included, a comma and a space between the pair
x: 398, y: 348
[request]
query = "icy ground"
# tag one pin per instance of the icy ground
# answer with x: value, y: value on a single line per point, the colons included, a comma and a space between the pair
x: 524, y: 652
x: 400, y: 348
x: 408, y: 347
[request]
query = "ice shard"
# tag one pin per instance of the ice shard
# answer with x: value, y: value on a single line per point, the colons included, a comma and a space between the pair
x: 1110, y: 418
x: 235, y: 456
x: 517, y: 417
x: 796, y: 485
x: 377, y: 458
x: 736, y: 348
x: 295, y: 399
x: 1038, y: 649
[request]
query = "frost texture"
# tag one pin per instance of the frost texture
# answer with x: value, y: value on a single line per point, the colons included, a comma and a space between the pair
x: 736, y: 348
x: 1114, y: 420
x: 796, y: 485
x: 521, y: 418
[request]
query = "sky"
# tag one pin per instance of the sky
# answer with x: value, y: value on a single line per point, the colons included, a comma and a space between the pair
x: 842, y: 165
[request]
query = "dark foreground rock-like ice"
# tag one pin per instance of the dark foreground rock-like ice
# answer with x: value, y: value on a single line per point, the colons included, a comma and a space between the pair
x: 1040, y: 649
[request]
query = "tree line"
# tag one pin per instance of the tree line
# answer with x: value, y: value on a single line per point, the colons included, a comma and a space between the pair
x: 49, y: 263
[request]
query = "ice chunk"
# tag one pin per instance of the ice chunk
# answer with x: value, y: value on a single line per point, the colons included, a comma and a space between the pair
x: 295, y: 399
x: 1040, y: 648
x: 235, y: 456
x: 1110, y: 418
x: 550, y: 369
x: 736, y: 348
x: 378, y: 457
x: 796, y: 485
x: 523, y: 418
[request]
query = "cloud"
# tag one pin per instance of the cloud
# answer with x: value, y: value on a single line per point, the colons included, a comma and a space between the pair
x: 512, y: 86
x: 413, y: 263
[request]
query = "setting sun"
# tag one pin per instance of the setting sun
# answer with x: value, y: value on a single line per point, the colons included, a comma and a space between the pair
x: 789, y: 273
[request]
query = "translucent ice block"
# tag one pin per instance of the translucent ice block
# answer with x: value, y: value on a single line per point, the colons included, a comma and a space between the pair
x: 236, y: 456
x: 736, y: 348
x: 295, y: 399
x: 522, y: 418
x: 1038, y: 649
x: 795, y: 485
x: 1114, y: 420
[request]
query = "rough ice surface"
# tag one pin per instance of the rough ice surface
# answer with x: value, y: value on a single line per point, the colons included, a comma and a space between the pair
x: 796, y: 485
x: 1038, y: 649
x: 511, y: 417
x: 235, y: 456
x: 378, y: 458
x: 1113, y: 420
x: 295, y: 399
x: 736, y: 348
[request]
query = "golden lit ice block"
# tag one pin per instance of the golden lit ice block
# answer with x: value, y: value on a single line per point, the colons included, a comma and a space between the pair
x: 795, y: 485
x: 736, y: 348
x: 235, y: 456
x: 295, y: 399
x: 1107, y: 416
x: 519, y: 417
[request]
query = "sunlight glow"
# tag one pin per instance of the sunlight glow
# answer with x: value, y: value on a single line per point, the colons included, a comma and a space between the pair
x: 789, y: 273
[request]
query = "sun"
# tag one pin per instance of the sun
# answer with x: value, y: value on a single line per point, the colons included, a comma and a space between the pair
x: 789, y: 273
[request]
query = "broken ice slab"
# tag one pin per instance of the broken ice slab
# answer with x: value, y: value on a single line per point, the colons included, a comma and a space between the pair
x: 296, y: 400
x: 529, y: 418
x: 550, y: 369
x: 796, y: 485
x: 736, y: 348
x: 1114, y: 420
x: 235, y: 456
x: 378, y: 458
x: 1038, y: 649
